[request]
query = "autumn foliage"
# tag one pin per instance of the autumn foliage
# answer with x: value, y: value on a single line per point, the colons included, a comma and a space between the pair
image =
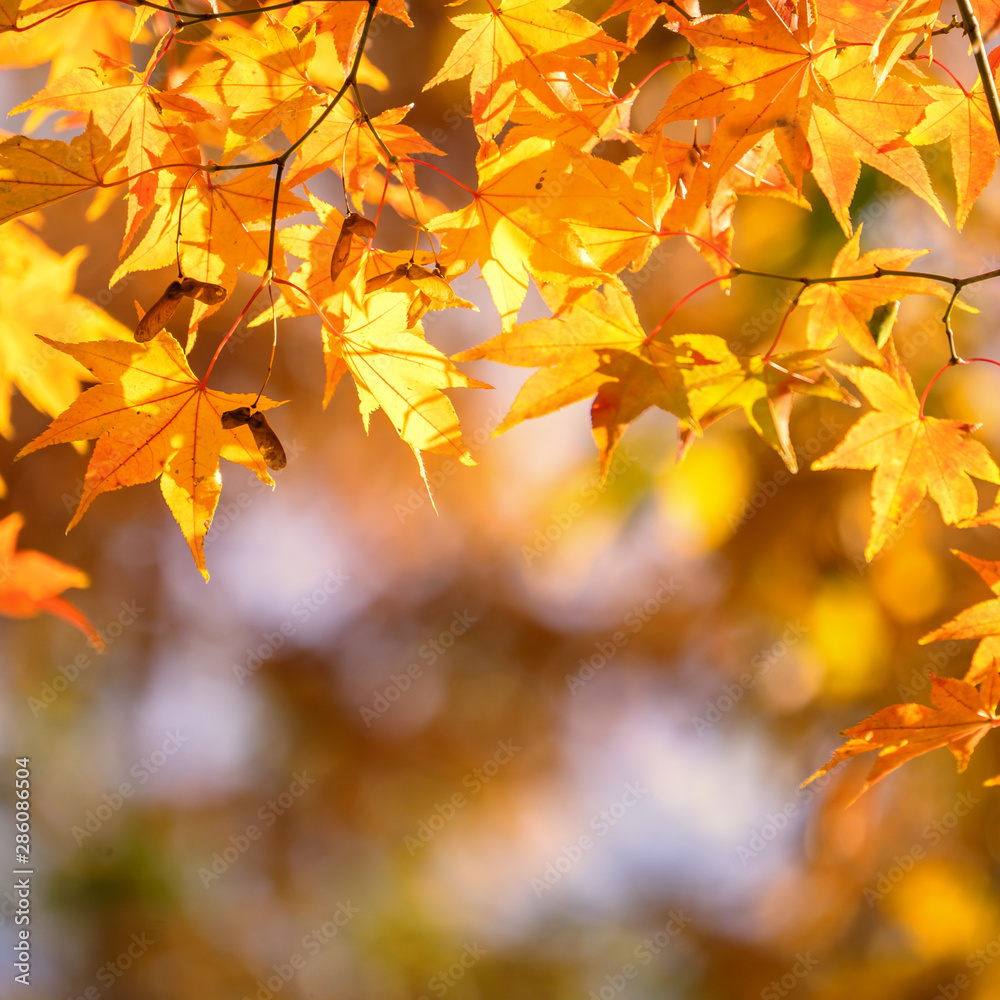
x: 215, y: 140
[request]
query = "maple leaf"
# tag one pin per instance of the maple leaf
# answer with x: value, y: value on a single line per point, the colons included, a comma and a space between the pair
x: 503, y: 230
x: 844, y: 308
x: 643, y: 14
x: 865, y: 124
x: 38, y: 172
x: 960, y: 718
x: 505, y: 50
x: 962, y: 117
x: 396, y: 370
x: 764, y: 388
x: 152, y: 127
x: 153, y: 419
x: 912, y: 454
x: 261, y: 76
x: 343, y: 143
x: 224, y: 228
x: 595, y: 346
x: 31, y: 582
x: 763, y: 78
x: 981, y: 621
x: 36, y: 293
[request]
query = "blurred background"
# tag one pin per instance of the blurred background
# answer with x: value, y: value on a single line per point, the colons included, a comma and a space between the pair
x: 546, y: 742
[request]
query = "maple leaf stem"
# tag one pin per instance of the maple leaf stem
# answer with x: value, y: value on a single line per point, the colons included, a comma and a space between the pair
x: 982, y: 63
x: 701, y: 240
x: 274, y: 214
x: 792, y: 306
x: 193, y: 18
x: 694, y: 291
x: 950, y: 363
x: 444, y: 173
x: 649, y: 76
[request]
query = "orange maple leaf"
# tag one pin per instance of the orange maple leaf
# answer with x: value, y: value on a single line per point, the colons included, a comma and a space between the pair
x: 962, y: 117
x: 31, y: 582
x: 960, y: 718
x: 153, y: 419
x: 506, y: 50
x: 981, y: 621
x: 912, y: 454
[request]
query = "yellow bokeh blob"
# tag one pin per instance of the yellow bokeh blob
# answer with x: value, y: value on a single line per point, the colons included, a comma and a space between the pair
x: 704, y: 495
x: 849, y: 636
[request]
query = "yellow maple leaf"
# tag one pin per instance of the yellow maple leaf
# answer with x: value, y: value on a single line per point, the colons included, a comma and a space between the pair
x: 912, y: 454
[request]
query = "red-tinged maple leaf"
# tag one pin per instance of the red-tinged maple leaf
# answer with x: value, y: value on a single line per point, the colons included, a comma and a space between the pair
x: 912, y: 454
x: 844, y: 308
x: 343, y: 22
x: 981, y: 621
x: 505, y: 50
x: 153, y: 419
x: 506, y: 230
x: 988, y: 15
x: 8, y: 14
x: 962, y: 117
x: 960, y: 718
x: 31, y: 582
x: 762, y: 78
x: 643, y: 14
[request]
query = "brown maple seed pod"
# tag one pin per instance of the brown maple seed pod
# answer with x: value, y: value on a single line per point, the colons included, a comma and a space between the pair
x: 159, y: 313
x: 265, y: 438
x: 353, y: 225
x: 386, y: 278
x: 203, y: 291
x: 236, y: 418
x: 267, y: 441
